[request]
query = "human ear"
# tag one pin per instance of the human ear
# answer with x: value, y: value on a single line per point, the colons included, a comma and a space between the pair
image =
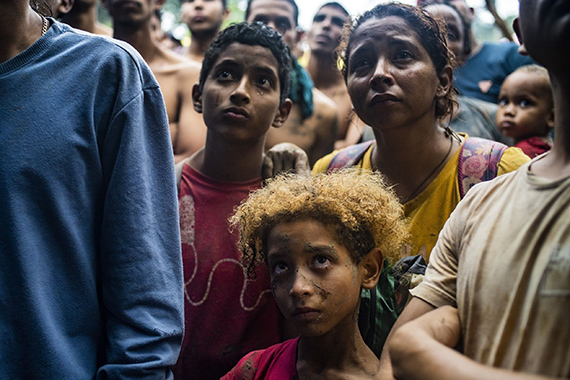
x: 517, y: 29
x: 282, y: 113
x: 550, y: 120
x: 197, y: 98
x: 445, y: 82
x: 64, y: 7
x: 372, y: 266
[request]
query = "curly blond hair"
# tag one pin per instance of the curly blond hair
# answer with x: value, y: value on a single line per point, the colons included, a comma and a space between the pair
x: 363, y: 211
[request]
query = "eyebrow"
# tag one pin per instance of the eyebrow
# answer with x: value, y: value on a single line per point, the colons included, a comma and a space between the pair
x: 329, y: 249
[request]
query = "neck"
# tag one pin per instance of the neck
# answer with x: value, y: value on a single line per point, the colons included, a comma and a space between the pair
x: 139, y: 37
x: 324, y: 354
x: 83, y: 19
x: 229, y: 161
x: 407, y: 156
x: 199, y: 45
x: 20, y: 27
x: 324, y: 72
x: 556, y: 164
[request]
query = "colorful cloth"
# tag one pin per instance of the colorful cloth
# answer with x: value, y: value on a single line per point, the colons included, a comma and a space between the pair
x: 534, y: 146
x: 277, y: 362
x: 227, y: 314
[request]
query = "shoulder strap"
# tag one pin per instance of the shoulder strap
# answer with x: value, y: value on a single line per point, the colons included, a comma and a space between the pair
x: 178, y: 173
x: 349, y: 156
x: 478, y: 162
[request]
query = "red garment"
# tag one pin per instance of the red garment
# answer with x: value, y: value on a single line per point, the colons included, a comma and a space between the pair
x: 226, y: 314
x: 534, y: 146
x: 277, y: 362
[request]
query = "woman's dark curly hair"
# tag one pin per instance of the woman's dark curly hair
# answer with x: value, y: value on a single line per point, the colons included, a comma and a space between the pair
x: 431, y: 33
x: 255, y: 34
x: 361, y: 209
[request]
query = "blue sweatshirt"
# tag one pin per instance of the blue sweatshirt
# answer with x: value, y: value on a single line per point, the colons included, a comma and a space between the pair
x: 90, y: 263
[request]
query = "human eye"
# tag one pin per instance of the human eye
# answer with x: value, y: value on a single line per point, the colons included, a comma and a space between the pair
x: 279, y: 267
x: 525, y: 103
x: 263, y: 81
x: 282, y: 25
x: 319, y: 18
x: 403, y: 55
x: 338, y: 21
x: 321, y: 261
x: 359, y: 64
x: 503, y: 102
x: 224, y: 75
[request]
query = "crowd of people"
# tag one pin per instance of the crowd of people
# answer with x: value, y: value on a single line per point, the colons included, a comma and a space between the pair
x: 393, y: 205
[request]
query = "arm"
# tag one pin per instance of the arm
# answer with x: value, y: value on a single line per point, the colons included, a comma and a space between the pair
x: 139, y: 255
x: 415, y: 309
x: 427, y: 343
x: 326, y: 126
x: 191, y: 133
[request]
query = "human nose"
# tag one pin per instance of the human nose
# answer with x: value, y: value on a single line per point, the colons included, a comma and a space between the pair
x: 382, y: 75
x: 509, y: 109
x: 240, y: 93
x: 302, y: 285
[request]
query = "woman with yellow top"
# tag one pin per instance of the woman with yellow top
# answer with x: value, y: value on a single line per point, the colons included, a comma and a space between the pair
x: 398, y: 71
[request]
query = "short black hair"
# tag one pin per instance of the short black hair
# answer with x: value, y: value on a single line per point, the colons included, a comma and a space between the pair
x: 334, y: 4
x: 254, y: 34
x: 224, y: 3
x: 292, y: 2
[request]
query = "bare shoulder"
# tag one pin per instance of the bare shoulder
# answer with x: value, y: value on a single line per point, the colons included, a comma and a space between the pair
x: 323, y: 104
x: 169, y: 62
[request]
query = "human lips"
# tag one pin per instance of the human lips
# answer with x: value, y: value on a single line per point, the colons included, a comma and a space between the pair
x: 305, y: 313
x: 383, y: 99
x: 236, y: 113
x: 507, y: 124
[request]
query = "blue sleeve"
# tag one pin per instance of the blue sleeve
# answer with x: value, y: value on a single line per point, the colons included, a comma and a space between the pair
x: 514, y: 59
x: 140, y: 260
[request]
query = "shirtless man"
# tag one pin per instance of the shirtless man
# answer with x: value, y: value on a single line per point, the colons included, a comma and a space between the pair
x: 323, y: 39
x: 175, y: 74
x: 83, y: 15
x: 314, y: 129
x: 204, y: 19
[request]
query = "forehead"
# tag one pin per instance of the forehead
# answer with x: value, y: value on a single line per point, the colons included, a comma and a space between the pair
x: 449, y: 15
x: 248, y: 56
x: 390, y: 27
x: 271, y: 9
x: 332, y: 12
x: 524, y: 81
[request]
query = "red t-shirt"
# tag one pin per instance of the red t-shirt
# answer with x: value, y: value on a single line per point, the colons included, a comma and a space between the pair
x: 226, y: 314
x: 534, y: 146
x: 277, y: 362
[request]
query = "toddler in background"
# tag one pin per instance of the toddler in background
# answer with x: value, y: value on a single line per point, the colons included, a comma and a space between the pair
x: 324, y: 239
x: 526, y: 109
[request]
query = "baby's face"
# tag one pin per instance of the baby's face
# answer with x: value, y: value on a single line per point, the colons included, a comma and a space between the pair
x: 525, y: 107
x: 314, y: 279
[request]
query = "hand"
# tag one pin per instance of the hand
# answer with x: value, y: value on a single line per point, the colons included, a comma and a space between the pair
x: 285, y: 157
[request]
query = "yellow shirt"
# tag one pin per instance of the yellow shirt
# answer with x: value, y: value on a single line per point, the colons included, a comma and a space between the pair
x: 428, y: 212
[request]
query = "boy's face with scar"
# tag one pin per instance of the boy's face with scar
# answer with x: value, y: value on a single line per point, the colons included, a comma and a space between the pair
x: 241, y: 94
x: 314, y: 279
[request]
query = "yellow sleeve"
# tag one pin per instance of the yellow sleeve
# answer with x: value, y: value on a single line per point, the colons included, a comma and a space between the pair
x: 512, y: 159
x: 322, y: 164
